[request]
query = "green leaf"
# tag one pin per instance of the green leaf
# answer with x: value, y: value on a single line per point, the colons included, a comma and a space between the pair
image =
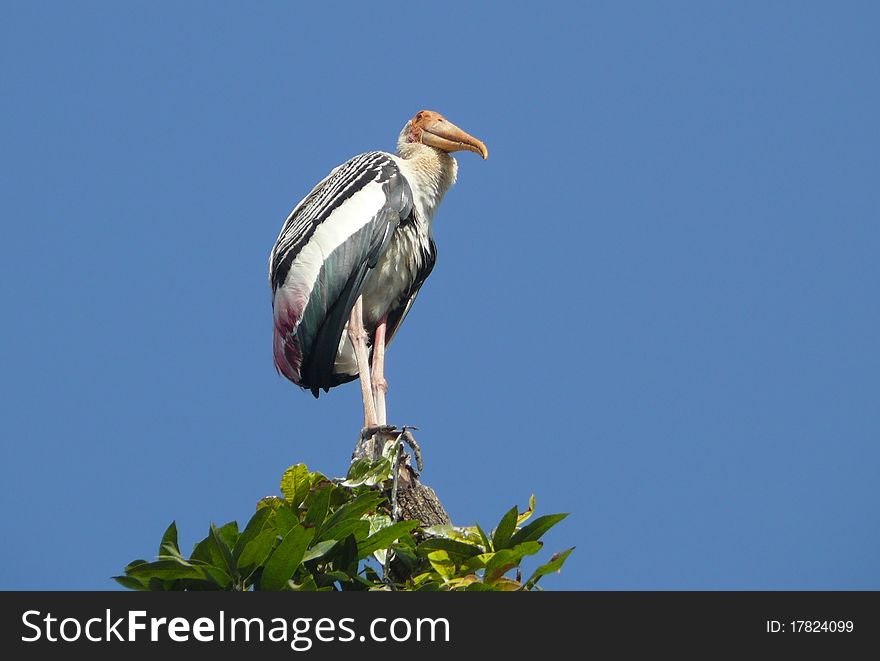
x: 378, y: 522
x: 503, y: 584
x: 171, y: 553
x: 442, y: 564
x: 260, y: 521
x: 536, y: 529
x: 340, y: 576
x: 367, y: 473
x: 157, y: 584
x: 459, y: 534
x: 506, y: 559
x: 356, y: 472
x: 525, y: 516
x: 257, y: 550
x: 391, y: 448
x: 211, y: 559
x: 216, y: 575
x: 319, y: 549
x: 459, y: 550
x: 270, y: 502
x: 130, y: 582
x: 229, y: 533
x: 462, y: 582
x: 317, y: 478
x: 169, y: 539
x: 295, y: 484
x: 345, y: 554
x: 478, y: 561
x: 317, y: 512
x: 165, y: 570
x: 383, y: 538
x: 286, y: 558
x: 487, y: 546
x: 285, y: 519
x: 206, y: 551
x: 425, y: 582
x: 222, y: 537
x: 350, y: 511
x: 404, y: 556
x: 357, y: 528
x: 504, y: 529
x: 308, y: 585
x: 555, y: 564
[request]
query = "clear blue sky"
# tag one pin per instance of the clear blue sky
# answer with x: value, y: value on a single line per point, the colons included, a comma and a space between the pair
x: 655, y: 306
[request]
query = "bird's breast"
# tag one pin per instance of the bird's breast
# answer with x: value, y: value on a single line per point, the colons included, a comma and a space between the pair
x: 392, y: 278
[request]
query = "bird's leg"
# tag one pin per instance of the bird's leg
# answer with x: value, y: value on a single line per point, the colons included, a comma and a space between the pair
x: 379, y: 384
x: 358, y: 336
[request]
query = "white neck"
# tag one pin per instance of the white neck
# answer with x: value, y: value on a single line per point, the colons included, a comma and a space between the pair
x: 430, y: 173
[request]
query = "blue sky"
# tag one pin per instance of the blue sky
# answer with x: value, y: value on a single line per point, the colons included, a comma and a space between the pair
x: 655, y: 305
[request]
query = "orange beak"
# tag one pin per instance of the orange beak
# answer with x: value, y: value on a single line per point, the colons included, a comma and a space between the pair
x: 445, y: 135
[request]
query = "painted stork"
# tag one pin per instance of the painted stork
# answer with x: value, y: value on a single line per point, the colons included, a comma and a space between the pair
x: 352, y: 255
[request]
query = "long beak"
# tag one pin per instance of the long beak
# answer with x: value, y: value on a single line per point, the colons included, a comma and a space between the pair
x: 447, y: 136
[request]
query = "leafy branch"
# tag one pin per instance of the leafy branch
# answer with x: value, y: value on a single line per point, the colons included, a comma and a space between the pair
x: 324, y: 534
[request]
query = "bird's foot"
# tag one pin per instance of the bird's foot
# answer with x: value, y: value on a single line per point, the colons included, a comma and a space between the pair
x: 371, y: 441
x: 369, y: 432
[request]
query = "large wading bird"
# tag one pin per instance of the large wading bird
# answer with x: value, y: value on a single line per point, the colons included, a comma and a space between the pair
x: 352, y: 255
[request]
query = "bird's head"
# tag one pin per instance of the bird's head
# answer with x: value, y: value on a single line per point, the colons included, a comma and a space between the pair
x: 433, y: 129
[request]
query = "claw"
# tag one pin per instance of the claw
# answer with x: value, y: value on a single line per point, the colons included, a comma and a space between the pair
x: 369, y: 432
x: 410, y: 440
